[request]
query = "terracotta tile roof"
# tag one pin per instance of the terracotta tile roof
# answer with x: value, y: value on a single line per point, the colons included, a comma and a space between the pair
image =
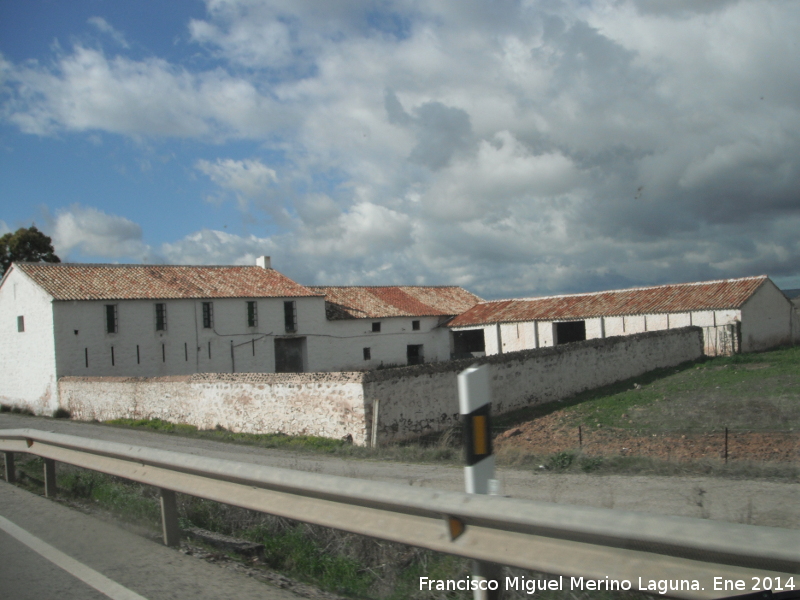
x: 72, y: 281
x: 682, y: 297
x: 352, y: 302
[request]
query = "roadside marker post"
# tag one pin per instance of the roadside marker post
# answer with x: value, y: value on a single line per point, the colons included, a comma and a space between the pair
x: 474, y: 402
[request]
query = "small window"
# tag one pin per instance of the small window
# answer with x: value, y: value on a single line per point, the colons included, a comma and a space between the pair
x: 111, y: 318
x: 415, y: 325
x: 376, y: 327
x: 20, y: 324
x: 290, y: 315
x: 252, y: 314
x: 161, y: 317
x: 208, y: 315
x: 367, y: 354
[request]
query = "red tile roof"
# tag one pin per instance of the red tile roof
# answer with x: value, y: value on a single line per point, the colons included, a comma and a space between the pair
x: 682, y: 297
x: 351, y: 302
x: 71, y: 281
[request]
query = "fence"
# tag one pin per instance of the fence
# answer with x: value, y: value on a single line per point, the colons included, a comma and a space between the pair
x: 563, y: 540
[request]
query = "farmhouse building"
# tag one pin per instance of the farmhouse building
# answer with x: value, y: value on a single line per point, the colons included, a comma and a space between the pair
x: 737, y: 315
x: 165, y: 320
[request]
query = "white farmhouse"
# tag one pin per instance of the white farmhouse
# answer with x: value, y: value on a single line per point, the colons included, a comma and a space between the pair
x: 390, y: 325
x: 737, y: 315
x: 87, y: 320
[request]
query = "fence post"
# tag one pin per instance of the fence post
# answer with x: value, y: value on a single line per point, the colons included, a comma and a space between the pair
x: 376, y: 404
x: 49, y: 477
x: 474, y: 403
x: 580, y: 437
x: 726, y: 445
x: 169, y: 518
x: 8, y: 459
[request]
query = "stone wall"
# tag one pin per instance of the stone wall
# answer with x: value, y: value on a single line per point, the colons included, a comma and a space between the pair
x: 423, y: 399
x: 411, y: 400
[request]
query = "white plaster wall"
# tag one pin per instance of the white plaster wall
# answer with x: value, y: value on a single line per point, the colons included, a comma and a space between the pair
x: 339, y: 344
x: 546, y: 338
x: 614, y: 326
x: 322, y: 404
x: 27, y: 360
x: 677, y: 320
x: 656, y: 322
x: 703, y: 318
x: 419, y: 400
x: 766, y: 319
x: 633, y: 324
x: 594, y: 328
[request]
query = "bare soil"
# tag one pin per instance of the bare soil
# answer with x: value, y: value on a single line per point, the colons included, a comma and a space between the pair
x: 550, y: 434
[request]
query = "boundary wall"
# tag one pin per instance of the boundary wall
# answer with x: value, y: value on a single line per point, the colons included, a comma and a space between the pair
x: 411, y: 401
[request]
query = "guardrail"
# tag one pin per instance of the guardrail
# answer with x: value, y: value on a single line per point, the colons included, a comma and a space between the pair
x: 573, y: 541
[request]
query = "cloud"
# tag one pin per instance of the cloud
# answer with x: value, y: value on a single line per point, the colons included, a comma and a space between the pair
x: 209, y: 247
x: 93, y: 233
x: 103, y: 26
x: 247, y: 179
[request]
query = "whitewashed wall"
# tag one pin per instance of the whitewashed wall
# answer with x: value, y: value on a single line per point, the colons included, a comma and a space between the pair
x: 322, y: 404
x: 766, y: 319
x: 27, y: 359
x: 419, y: 400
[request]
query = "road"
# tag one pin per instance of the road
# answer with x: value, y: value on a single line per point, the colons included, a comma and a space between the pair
x: 755, y: 502
x: 51, y: 552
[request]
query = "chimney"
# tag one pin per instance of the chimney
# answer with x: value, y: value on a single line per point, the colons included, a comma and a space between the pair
x: 263, y: 262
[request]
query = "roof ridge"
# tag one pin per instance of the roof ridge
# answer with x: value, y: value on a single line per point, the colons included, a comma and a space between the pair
x: 132, y: 265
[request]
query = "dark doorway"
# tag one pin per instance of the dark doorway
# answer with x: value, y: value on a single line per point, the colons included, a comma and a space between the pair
x: 414, y: 354
x: 467, y: 342
x: 289, y: 355
x: 571, y: 331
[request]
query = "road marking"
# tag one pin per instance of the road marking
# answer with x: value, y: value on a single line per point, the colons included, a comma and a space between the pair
x: 89, y: 576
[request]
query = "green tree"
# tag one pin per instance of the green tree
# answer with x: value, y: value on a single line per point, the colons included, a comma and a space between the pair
x: 29, y: 245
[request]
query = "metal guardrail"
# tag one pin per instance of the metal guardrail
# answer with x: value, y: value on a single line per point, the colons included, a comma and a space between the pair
x: 573, y: 541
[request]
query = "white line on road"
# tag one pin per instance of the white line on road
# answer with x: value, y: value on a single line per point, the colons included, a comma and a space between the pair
x: 89, y: 576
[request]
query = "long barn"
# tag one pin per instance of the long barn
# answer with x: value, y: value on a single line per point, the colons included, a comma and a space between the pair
x: 737, y: 315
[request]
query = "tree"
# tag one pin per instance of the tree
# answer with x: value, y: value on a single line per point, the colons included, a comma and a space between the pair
x: 29, y: 245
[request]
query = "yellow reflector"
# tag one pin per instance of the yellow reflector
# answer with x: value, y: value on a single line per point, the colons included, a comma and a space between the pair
x: 479, y: 441
x: 455, y: 526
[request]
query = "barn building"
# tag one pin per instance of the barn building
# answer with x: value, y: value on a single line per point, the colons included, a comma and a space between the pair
x: 737, y: 315
x: 165, y: 320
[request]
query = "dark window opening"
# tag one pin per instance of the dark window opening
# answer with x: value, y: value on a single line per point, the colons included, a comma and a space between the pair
x: 367, y: 354
x: 376, y: 327
x: 289, y: 355
x: 21, y: 324
x: 290, y: 319
x: 112, y: 356
x: 86, y: 356
x: 414, y: 354
x: 186, y: 350
x: 254, y: 346
x: 209, y: 350
x: 111, y: 318
x: 163, y: 353
x: 467, y: 342
x: 252, y: 314
x: 137, y: 354
x: 415, y: 325
x: 208, y: 315
x: 161, y: 317
x: 571, y: 331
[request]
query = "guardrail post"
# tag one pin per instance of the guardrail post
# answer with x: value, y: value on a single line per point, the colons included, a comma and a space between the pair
x: 49, y: 477
x: 169, y: 518
x: 8, y: 459
x: 474, y: 402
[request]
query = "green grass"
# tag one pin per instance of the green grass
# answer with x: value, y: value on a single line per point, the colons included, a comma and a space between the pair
x: 758, y: 392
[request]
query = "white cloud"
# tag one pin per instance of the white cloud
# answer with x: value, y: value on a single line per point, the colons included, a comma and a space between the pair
x: 209, y: 247
x: 105, y: 27
x: 247, y: 179
x: 91, y: 232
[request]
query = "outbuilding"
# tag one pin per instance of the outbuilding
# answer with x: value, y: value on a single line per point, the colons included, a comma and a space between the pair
x: 737, y: 315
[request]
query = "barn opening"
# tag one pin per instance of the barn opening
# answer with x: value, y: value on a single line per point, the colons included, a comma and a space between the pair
x: 467, y: 342
x: 414, y: 354
x: 289, y: 354
x: 569, y: 331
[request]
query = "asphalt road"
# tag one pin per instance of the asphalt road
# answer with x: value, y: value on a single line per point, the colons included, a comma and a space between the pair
x: 754, y: 502
x: 51, y: 552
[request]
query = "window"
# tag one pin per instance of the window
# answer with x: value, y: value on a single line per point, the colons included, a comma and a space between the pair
x: 367, y: 354
x: 570, y: 331
x: 290, y: 315
x: 252, y: 314
x: 208, y: 315
x: 414, y: 354
x: 21, y: 324
x: 415, y: 325
x: 111, y: 318
x: 376, y: 327
x: 161, y: 317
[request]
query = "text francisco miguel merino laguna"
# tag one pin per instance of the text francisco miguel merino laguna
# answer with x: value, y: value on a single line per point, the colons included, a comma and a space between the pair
x: 531, y: 586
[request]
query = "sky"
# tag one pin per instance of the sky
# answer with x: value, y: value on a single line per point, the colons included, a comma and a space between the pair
x: 515, y: 148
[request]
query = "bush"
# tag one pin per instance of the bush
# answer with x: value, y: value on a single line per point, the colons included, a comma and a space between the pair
x: 61, y: 413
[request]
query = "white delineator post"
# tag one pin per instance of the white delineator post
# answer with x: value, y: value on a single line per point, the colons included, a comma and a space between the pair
x: 474, y: 402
